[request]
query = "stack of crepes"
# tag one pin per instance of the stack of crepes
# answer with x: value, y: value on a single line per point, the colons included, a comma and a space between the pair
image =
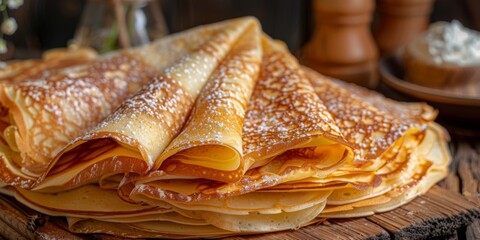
x: 211, y: 132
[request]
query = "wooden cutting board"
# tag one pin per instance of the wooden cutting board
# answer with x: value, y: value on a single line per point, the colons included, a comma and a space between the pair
x: 440, y: 212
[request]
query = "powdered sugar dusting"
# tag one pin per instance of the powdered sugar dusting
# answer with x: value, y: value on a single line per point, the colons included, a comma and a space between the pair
x: 61, y: 107
x: 283, y: 106
x: 154, y: 115
x: 367, y: 120
x: 217, y: 117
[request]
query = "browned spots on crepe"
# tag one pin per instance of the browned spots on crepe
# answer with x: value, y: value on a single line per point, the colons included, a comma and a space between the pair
x: 63, y: 106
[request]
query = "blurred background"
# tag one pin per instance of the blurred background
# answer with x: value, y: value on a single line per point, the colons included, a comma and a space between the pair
x: 46, y: 24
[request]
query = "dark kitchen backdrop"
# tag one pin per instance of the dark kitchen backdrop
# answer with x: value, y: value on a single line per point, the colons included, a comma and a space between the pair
x: 46, y: 24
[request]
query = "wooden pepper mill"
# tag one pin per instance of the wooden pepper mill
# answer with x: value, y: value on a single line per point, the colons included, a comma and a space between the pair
x: 400, y: 21
x: 342, y: 45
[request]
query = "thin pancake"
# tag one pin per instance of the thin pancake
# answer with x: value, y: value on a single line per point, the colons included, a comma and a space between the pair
x: 368, y: 121
x: 257, y: 223
x: 168, y: 216
x: 254, y: 202
x: 382, y: 139
x: 210, y: 144
x: 287, y: 131
x: 284, y: 113
x: 50, y: 64
x: 132, y: 138
x: 406, y: 189
x: 167, y: 230
x: 78, y: 98
x: 45, y: 114
x: 249, y: 213
x: 94, y: 202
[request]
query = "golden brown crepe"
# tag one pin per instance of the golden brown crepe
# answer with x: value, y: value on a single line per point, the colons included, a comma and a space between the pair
x: 51, y: 62
x: 382, y: 164
x: 166, y: 230
x: 230, y: 136
x: 132, y: 138
x: 287, y: 135
x: 210, y: 144
x: 369, y: 121
x: 406, y: 132
x: 85, y: 201
x: 404, y: 187
x: 40, y: 117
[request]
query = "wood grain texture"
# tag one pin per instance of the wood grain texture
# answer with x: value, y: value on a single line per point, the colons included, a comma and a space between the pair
x: 14, y: 222
x: 359, y: 228
x: 467, y: 157
x: 438, y: 213
x: 27, y: 224
x: 7, y: 232
x: 464, y: 177
x: 473, y: 230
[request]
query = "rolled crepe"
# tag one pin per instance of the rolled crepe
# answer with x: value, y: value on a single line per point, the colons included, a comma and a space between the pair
x: 288, y: 133
x: 398, y: 140
x: 40, y: 117
x: 408, y: 138
x: 370, y: 122
x: 381, y: 137
x: 285, y: 115
x: 210, y: 144
x: 132, y: 138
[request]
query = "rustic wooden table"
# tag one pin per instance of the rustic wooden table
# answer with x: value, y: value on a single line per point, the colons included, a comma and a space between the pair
x: 464, y: 177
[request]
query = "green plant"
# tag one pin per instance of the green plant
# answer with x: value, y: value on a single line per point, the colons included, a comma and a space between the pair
x: 9, y: 25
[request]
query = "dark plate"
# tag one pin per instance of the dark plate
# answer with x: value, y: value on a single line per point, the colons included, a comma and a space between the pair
x: 454, y: 108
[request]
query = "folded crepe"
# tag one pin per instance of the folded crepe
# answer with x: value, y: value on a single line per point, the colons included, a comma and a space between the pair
x: 382, y: 164
x: 132, y: 138
x: 210, y: 143
x: 40, y: 117
x: 287, y: 134
x: 253, y: 212
x: 383, y: 134
x: 231, y: 136
x: 380, y: 130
